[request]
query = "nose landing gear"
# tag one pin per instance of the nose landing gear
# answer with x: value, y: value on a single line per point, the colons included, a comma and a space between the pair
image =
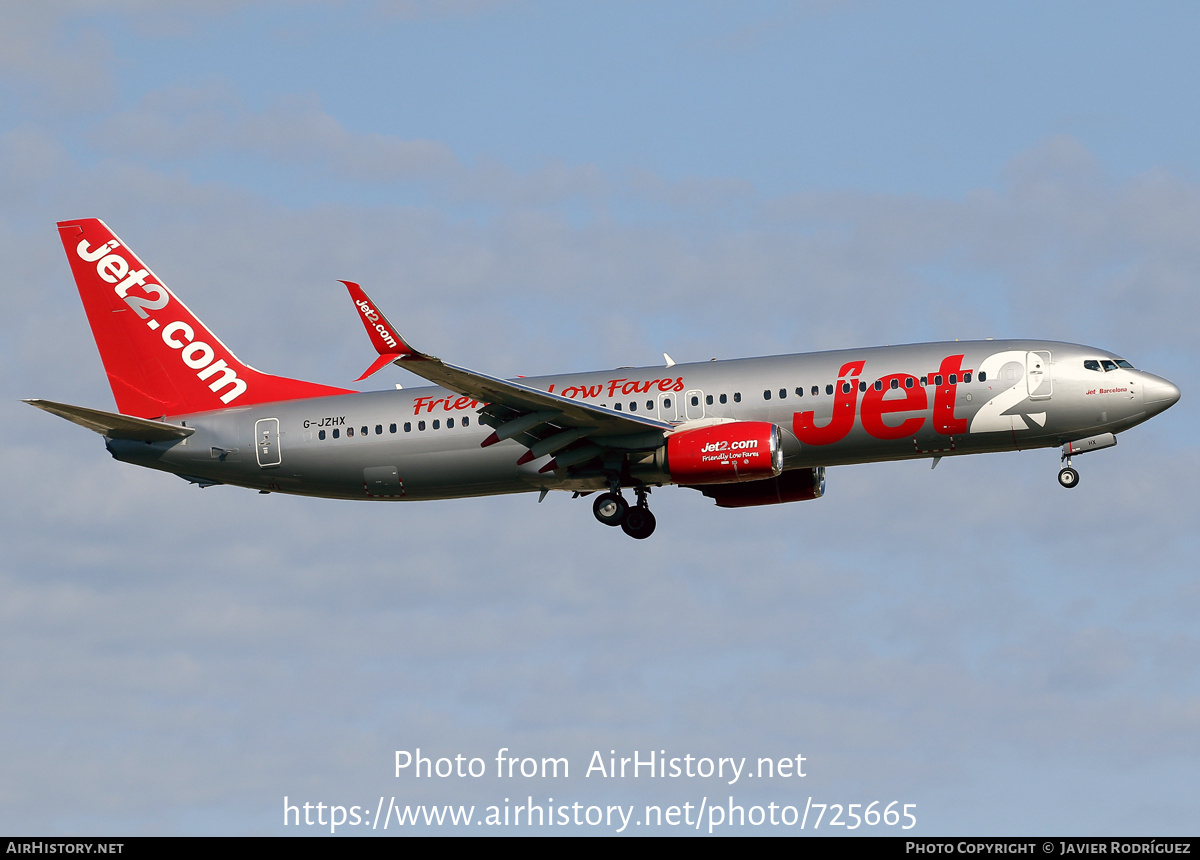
x: 1067, y: 476
x: 611, y: 509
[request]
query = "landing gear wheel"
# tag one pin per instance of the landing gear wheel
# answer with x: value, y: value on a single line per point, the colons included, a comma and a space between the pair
x: 1068, y: 477
x: 610, y: 509
x: 639, y: 523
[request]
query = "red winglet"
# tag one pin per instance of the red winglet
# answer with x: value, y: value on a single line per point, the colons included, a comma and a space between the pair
x: 379, y: 362
x: 384, y: 337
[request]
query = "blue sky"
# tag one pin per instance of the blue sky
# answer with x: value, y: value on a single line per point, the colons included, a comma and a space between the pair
x: 539, y: 187
x: 898, y: 98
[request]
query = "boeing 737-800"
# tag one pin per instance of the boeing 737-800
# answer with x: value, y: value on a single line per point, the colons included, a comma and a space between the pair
x: 751, y: 431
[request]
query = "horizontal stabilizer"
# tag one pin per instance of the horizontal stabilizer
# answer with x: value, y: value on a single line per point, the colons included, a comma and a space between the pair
x: 114, y: 426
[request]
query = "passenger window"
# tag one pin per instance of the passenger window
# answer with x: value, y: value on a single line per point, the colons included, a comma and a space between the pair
x: 617, y: 406
x: 724, y: 398
x: 466, y: 422
x: 650, y: 405
x: 895, y: 383
x: 766, y: 395
x: 364, y: 431
x: 954, y: 379
x: 707, y: 399
x: 937, y: 380
x: 983, y: 376
x: 349, y: 432
x: 829, y: 389
x: 908, y: 382
x: 737, y: 397
x: 924, y: 380
x: 391, y: 428
x: 437, y: 424
x: 321, y: 435
x: 879, y: 385
x: 407, y: 426
x: 816, y: 390
x: 845, y: 388
x: 667, y: 403
x: 633, y: 405
x: 336, y: 433
x: 695, y: 400
x: 799, y: 391
x: 420, y: 425
x: 966, y: 377
x: 449, y: 423
x: 782, y: 393
x: 378, y: 429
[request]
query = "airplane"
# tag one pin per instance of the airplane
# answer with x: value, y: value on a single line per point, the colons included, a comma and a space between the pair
x: 744, y: 432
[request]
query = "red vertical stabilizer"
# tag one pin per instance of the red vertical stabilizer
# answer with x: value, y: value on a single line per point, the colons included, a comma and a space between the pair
x: 160, y: 359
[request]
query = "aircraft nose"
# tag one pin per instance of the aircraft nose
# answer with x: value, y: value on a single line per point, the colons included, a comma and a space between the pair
x: 1158, y: 393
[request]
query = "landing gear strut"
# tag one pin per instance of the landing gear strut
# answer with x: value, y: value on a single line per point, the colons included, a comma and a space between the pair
x: 611, y: 509
x: 1067, y: 476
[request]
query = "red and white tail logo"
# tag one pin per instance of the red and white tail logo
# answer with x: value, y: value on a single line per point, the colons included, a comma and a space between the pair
x: 384, y: 338
x: 160, y: 359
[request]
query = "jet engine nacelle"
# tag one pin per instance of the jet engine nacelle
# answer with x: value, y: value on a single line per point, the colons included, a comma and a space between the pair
x: 798, y: 485
x: 725, y: 453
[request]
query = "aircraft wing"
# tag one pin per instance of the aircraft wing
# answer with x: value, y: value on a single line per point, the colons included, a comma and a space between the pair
x: 515, y: 410
x: 527, y: 400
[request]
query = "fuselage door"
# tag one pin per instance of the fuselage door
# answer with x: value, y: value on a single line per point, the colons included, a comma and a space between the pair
x: 266, y: 442
x: 1037, y: 375
x: 693, y: 404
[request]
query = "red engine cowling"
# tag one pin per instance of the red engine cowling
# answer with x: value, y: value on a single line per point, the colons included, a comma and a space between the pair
x: 798, y: 485
x: 725, y: 453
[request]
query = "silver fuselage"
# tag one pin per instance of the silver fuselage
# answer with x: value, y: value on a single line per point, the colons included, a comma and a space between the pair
x: 425, y: 442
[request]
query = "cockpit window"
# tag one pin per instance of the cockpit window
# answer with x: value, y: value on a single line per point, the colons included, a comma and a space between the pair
x: 1108, y: 365
x: 1125, y: 364
x: 1091, y: 364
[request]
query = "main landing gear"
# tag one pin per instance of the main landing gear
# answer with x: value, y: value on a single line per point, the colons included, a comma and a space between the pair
x: 611, y: 509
